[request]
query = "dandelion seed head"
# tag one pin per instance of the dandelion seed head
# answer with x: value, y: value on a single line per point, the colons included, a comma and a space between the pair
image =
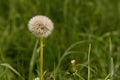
x: 40, y: 26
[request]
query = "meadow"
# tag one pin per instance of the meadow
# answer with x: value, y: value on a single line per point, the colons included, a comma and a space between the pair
x: 87, y: 31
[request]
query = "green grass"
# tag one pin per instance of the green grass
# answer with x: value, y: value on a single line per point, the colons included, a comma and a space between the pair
x: 94, y: 22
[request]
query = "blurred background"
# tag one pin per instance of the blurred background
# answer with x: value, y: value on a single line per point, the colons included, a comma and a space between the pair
x: 93, y: 21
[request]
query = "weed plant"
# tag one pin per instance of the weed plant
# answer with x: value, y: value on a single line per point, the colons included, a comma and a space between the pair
x: 78, y: 24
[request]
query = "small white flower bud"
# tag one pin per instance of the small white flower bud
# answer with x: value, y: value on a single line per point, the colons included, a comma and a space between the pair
x: 72, y: 62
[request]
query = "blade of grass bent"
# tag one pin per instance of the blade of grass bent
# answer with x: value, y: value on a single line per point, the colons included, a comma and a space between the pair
x: 67, y: 53
x: 12, y: 69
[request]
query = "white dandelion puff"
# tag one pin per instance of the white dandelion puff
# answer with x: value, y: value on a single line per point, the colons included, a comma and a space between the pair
x: 40, y: 26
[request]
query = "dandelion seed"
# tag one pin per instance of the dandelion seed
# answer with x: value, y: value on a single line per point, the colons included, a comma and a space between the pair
x: 40, y: 26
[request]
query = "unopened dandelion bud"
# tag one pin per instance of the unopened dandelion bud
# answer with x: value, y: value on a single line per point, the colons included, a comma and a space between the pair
x: 72, y: 62
x: 73, y: 66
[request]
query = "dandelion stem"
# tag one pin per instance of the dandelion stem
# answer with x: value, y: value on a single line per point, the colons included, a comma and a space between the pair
x: 41, y: 58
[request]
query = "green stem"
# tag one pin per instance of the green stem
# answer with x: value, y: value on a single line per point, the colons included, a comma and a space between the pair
x: 41, y: 58
x: 111, y: 63
x: 89, y: 61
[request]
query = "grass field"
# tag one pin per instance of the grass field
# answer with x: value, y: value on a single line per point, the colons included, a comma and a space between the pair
x: 87, y: 31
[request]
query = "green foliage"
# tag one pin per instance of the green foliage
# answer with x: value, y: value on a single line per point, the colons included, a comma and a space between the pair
x: 94, y: 21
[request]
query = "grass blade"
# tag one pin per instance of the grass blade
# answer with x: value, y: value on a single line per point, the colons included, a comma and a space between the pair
x: 89, y: 61
x: 12, y: 69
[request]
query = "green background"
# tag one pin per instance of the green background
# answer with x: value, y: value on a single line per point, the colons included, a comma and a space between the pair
x: 93, y: 21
